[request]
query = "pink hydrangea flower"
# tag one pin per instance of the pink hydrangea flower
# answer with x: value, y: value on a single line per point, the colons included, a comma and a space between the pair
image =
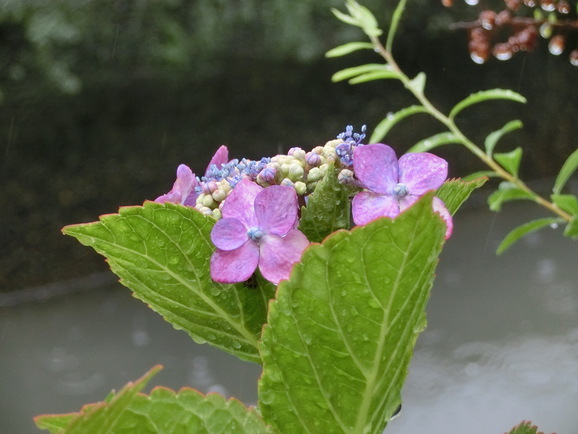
x: 394, y: 185
x: 257, y: 230
x: 184, y: 191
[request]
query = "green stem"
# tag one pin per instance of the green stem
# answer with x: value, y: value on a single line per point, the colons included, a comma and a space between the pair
x: 450, y: 124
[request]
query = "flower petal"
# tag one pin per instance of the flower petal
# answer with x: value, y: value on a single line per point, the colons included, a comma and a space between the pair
x: 229, y: 234
x: 276, y: 209
x: 278, y: 254
x: 235, y: 265
x: 368, y: 206
x: 440, y: 208
x: 220, y: 158
x: 422, y: 171
x: 183, y: 187
x: 376, y: 167
x: 240, y: 204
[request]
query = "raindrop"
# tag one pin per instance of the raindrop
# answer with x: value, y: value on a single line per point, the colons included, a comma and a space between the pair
x: 546, y: 30
x: 548, y: 5
x: 477, y: 59
x: 556, y: 45
x: 472, y: 2
x: 502, y: 53
x: 574, y: 58
x: 236, y: 344
x: 555, y: 225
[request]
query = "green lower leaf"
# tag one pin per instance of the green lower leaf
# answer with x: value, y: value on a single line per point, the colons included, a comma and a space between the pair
x: 480, y: 174
x: 505, y: 193
x: 525, y: 427
x: 493, y: 138
x: 162, y: 253
x: 327, y: 210
x: 347, y: 73
x: 455, y: 192
x: 341, y: 331
x: 523, y: 230
x: 566, y: 202
x: 163, y: 411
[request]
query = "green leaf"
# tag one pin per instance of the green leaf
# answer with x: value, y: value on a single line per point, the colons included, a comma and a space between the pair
x: 163, y: 411
x: 354, y: 71
x: 418, y: 82
x: 392, y: 119
x: 340, y: 333
x: 347, y: 19
x: 505, y: 193
x: 395, y: 19
x: 376, y: 75
x: 510, y: 160
x: 365, y: 19
x: 350, y: 47
x: 481, y: 173
x: 327, y: 210
x: 568, y: 168
x: 486, y: 95
x: 493, y: 138
x: 435, y: 141
x: 571, y: 230
x: 455, y: 192
x: 525, y: 427
x: 162, y: 253
x: 566, y: 202
x: 523, y: 230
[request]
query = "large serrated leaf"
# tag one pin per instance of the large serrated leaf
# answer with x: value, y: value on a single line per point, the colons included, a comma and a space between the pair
x: 523, y: 230
x: 486, y: 95
x: 525, y: 427
x: 327, y: 210
x: 455, y: 192
x: 510, y: 160
x: 435, y: 141
x: 493, y: 138
x: 568, y: 168
x: 162, y: 253
x: 341, y: 331
x: 350, y: 47
x: 387, y: 123
x: 163, y: 411
x: 506, y: 192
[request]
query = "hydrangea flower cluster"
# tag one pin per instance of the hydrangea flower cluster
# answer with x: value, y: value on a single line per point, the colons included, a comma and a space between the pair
x: 255, y: 202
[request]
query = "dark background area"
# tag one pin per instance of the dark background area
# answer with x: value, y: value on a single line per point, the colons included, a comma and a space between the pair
x: 101, y: 100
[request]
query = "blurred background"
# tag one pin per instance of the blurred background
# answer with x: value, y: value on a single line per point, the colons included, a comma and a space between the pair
x: 100, y: 101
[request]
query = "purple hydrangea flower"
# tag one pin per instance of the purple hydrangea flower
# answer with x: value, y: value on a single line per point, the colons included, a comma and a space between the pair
x: 257, y: 230
x: 185, y: 191
x: 394, y: 185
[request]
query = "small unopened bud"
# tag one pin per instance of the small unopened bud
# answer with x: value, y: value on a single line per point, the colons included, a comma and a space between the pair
x: 313, y: 159
x: 219, y: 195
x: 314, y: 174
x: 300, y: 187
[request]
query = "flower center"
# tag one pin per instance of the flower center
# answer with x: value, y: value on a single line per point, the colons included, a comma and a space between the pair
x: 255, y: 233
x: 400, y: 190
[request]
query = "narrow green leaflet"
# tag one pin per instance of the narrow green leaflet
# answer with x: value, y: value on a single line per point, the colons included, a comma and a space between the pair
x: 341, y: 331
x: 350, y: 47
x: 392, y: 119
x: 571, y: 230
x: 162, y: 253
x: 525, y: 427
x: 359, y: 16
x: 493, y: 138
x: 163, y: 411
x: 328, y: 209
x: 455, y: 192
x: 568, y: 168
x: 376, y: 75
x: 485, y: 95
x: 505, y: 193
x: 354, y: 71
x: 510, y: 160
x: 566, y: 202
x: 435, y: 141
x: 525, y: 229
